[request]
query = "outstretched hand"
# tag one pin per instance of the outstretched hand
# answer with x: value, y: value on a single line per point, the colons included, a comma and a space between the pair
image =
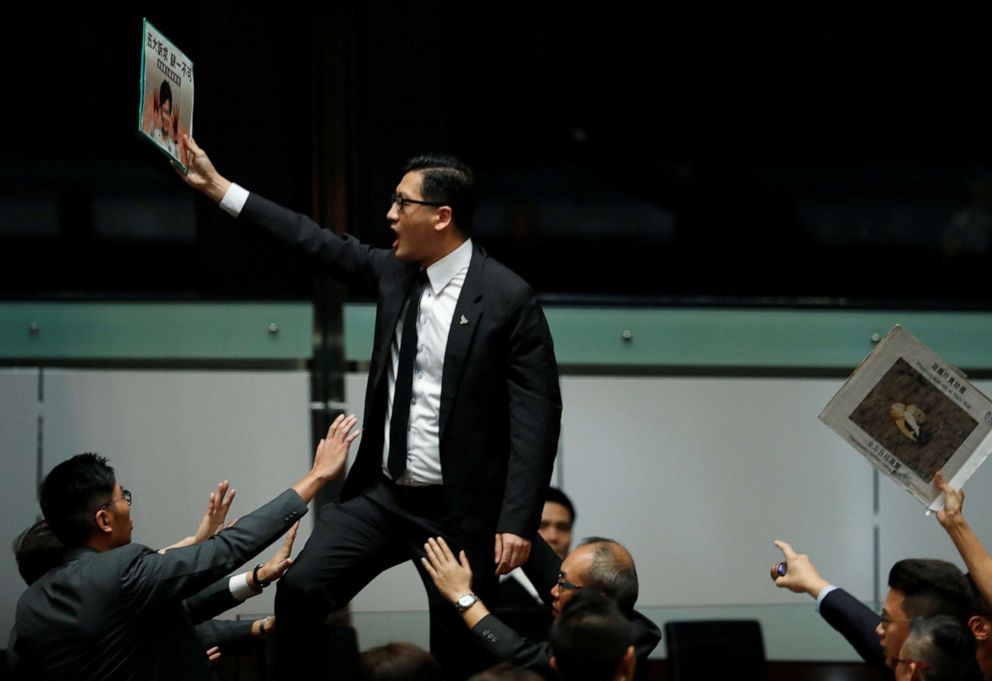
x: 332, y: 451
x: 276, y: 566
x: 201, y: 174
x: 452, y: 577
x: 801, y: 575
x: 953, y: 502
x: 330, y: 457
x: 217, y: 507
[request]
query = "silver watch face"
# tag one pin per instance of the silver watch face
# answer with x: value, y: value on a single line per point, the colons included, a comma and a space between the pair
x: 467, y: 600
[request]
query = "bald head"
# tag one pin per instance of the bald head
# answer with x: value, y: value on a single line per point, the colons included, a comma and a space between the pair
x: 611, y: 570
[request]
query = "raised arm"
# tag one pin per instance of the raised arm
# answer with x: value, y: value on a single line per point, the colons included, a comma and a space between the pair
x: 951, y: 518
x: 180, y: 573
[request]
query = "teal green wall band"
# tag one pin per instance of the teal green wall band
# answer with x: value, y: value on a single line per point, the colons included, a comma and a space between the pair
x: 724, y: 338
x: 159, y: 331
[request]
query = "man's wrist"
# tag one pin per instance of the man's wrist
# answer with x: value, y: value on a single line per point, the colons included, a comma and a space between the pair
x: 465, y: 601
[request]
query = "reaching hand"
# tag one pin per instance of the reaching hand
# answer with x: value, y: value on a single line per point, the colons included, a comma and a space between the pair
x: 801, y: 575
x: 953, y: 502
x: 217, y: 507
x: 453, y: 578
x: 330, y: 457
x: 280, y: 561
x: 512, y: 551
x: 332, y: 452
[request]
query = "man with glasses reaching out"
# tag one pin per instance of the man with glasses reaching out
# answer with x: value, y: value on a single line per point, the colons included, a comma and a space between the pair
x: 114, y: 610
x: 462, y: 407
x: 598, y: 563
x: 918, y: 587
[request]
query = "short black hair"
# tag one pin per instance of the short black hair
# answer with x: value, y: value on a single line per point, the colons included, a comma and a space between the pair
x: 396, y: 661
x: 979, y: 606
x: 612, y: 571
x: 164, y: 93
x: 556, y: 496
x: 37, y: 550
x: 932, y: 587
x: 72, y: 492
x: 506, y: 671
x: 590, y: 637
x: 450, y: 181
x: 946, y: 646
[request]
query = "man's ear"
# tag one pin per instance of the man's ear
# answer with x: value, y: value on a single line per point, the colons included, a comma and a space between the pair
x: 628, y: 664
x: 104, y: 522
x: 442, y: 218
x: 980, y: 627
x: 554, y: 664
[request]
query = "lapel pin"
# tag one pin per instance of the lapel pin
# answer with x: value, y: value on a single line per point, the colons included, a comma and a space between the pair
x: 463, y: 321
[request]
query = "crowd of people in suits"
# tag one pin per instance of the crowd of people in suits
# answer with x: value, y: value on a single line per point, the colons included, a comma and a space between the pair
x: 935, y: 622
x: 461, y: 425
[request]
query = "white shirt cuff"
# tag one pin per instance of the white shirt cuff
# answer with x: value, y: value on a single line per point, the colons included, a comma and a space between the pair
x: 823, y: 594
x: 234, y: 200
x: 238, y: 586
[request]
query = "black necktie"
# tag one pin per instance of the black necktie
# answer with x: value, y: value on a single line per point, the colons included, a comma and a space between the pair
x: 403, y: 389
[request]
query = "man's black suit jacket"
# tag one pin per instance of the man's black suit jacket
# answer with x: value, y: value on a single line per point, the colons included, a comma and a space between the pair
x: 119, y: 614
x: 500, y: 411
x: 856, y: 622
x: 504, y: 643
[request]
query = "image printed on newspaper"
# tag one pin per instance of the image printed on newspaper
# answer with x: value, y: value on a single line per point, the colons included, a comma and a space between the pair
x: 165, y: 111
x: 912, y: 414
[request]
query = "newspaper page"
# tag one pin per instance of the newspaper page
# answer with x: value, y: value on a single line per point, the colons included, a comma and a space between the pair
x: 912, y: 414
x: 165, y: 112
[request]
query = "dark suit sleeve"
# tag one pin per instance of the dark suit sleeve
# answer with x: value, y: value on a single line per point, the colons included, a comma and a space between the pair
x: 542, y: 567
x: 152, y: 578
x: 231, y: 636
x: 342, y: 256
x: 857, y: 623
x: 535, y: 419
x: 210, y: 602
x: 505, y: 644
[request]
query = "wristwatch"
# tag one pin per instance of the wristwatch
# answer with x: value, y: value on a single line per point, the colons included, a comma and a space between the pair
x: 466, y: 601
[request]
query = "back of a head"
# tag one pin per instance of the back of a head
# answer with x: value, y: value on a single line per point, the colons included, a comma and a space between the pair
x: 942, y: 648
x: 72, y: 492
x: 613, y: 571
x: 590, y: 637
x: 450, y: 181
x: 932, y: 587
x: 37, y: 550
x: 396, y: 661
x: 505, y: 671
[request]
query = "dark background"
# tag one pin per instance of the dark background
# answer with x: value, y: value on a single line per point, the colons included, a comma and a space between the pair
x: 622, y: 156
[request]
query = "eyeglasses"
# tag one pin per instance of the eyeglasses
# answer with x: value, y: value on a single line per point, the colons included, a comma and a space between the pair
x: 565, y: 584
x: 401, y: 202
x: 125, y: 495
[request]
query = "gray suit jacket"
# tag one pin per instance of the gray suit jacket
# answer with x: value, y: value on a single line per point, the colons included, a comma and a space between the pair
x: 119, y: 614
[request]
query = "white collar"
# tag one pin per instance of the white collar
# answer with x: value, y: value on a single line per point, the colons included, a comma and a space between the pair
x: 444, y: 270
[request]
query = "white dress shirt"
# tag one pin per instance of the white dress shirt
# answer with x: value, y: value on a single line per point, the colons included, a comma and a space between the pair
x: 437, y: 307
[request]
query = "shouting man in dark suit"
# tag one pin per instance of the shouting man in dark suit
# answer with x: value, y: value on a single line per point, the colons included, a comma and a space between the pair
x: 462, y: 406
